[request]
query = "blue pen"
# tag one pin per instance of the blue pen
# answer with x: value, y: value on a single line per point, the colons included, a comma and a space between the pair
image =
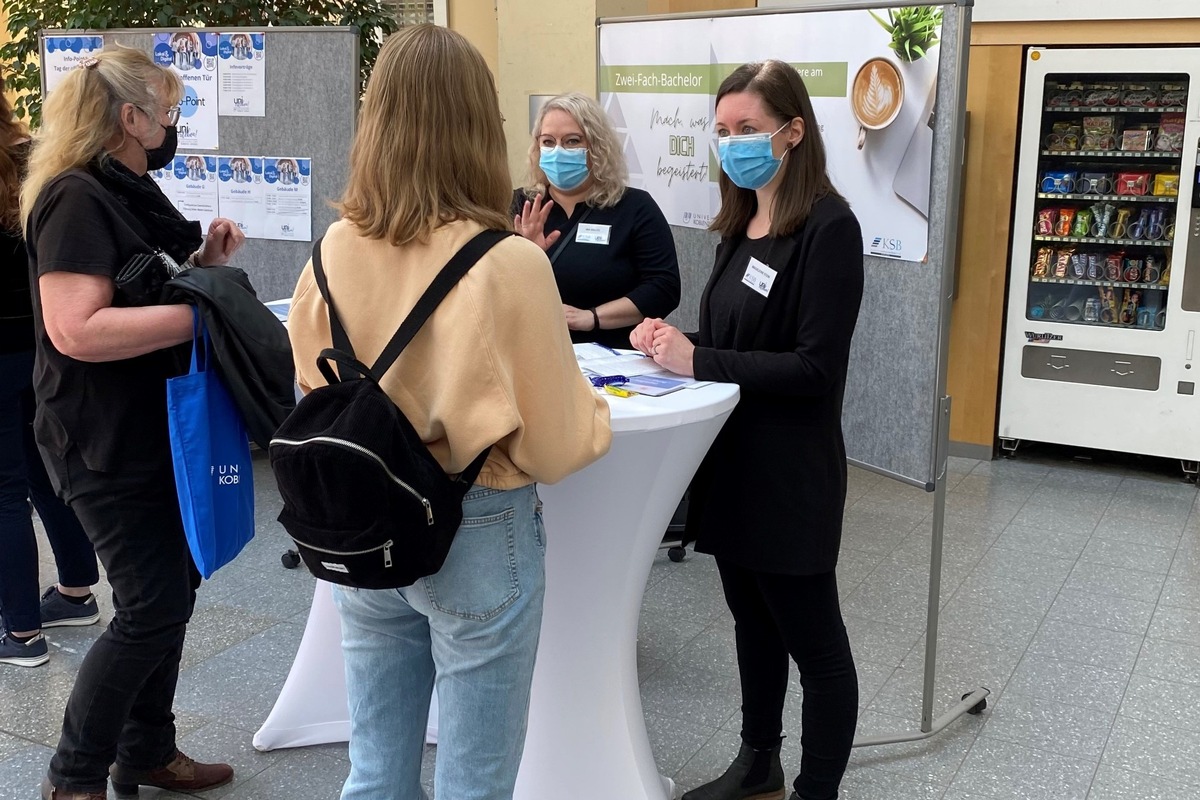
x: 600, y: 381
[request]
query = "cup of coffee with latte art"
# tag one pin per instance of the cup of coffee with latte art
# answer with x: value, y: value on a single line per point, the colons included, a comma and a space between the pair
x: 876, y: 95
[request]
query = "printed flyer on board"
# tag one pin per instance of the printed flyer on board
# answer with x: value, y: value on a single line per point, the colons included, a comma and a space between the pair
x: 61, y: 54
x: 242, y: 71
x: 288, y: 183
x: 241, y: 193
x: 872, y: 83
x: 196, y: 196
x: 193, y: 56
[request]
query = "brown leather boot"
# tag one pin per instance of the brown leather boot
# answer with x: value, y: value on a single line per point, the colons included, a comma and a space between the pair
x: 181, y: 775
x: 50, y: 793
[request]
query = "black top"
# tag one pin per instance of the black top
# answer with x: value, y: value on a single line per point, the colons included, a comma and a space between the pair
x: 16, y: 308
x: 114, y: 412
x: 638, y: 262
x: 770, y: 494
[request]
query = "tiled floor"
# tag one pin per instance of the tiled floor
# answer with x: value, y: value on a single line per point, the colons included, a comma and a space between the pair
x: 1071, y: 589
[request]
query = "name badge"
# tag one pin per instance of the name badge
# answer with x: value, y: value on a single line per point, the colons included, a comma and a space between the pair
x: 759, y: 277
x: 592, y: 234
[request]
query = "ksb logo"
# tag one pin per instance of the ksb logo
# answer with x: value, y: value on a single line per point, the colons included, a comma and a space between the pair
x: 886, y: 246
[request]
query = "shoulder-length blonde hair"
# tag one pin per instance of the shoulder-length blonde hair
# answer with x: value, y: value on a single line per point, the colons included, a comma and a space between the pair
x: 430, y: 143
x: 607, y: 167
x: 84, y: 112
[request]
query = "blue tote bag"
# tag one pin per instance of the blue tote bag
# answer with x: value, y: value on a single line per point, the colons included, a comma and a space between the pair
x: 211, y: 453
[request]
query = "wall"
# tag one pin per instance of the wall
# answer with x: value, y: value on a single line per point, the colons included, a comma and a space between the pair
x: 476, y: 20
x: 977, y: 314
x: 544, y: 48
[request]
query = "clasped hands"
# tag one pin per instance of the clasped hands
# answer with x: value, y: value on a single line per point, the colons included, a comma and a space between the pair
x: 666, y: 344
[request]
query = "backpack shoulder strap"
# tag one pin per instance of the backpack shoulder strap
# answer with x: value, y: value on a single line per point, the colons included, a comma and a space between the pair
x: 451, y: 274
x: 340, y: 340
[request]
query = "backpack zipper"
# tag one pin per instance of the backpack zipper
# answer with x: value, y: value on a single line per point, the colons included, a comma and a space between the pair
x: 386, y: 547
x: 358, y: 448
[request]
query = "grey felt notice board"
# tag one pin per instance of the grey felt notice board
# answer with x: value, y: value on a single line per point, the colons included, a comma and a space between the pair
x: 312, y: 91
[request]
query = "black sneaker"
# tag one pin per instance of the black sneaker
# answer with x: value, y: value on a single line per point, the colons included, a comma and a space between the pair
x: 58, y: 612
x: 33, y: 653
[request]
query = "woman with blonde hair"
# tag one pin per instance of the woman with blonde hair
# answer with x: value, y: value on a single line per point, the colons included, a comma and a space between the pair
x: 610, y: 245
x: 102, y: 363
x: 493, y: 366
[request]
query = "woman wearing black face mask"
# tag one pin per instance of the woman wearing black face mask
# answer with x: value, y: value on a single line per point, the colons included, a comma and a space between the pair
x: 88, y: 207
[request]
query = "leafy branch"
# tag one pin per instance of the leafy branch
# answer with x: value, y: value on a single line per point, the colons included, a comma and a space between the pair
x: 914, y: 30
x: 374, y: 19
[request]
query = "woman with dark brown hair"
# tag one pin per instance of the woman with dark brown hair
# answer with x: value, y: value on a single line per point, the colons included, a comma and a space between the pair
x: 776, y: 318
x: 22, y: 475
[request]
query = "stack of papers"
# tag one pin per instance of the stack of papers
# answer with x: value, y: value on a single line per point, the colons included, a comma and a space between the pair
x: 644, y: 375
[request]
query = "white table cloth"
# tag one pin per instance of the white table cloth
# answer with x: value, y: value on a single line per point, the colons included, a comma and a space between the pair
x: 587, y: 735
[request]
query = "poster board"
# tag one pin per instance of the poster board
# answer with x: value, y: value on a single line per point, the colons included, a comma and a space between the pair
x: 658, y: 79
x: 310, y: 129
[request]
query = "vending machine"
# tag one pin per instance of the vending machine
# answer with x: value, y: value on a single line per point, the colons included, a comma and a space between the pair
x: 1104, y: 277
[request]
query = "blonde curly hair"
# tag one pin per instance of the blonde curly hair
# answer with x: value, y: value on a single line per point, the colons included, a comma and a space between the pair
x: 606, y: 161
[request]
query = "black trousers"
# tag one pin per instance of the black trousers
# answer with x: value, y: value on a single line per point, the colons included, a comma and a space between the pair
x: 120, y: 707
x: 23, y: 478
x: 777, y: 616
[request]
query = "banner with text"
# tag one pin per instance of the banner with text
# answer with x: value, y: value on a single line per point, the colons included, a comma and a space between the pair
x: 193, y: 57
x: 872, y: 78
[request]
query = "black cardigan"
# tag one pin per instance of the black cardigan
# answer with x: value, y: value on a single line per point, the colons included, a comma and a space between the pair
x: 770, y: 494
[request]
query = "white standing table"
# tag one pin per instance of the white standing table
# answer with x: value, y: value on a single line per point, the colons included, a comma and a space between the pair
x: 587, y: 734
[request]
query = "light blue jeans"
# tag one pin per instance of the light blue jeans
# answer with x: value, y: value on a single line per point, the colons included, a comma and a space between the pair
x: 472, y: 629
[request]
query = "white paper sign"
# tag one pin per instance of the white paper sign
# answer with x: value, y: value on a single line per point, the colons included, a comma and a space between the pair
x: 242, y: 193
x: 288, y: 188
x: 193, y: 56
x: 659, y: 81
x: 165, y: 178
x: 65, y: 53
x: 759, y: 277
x: 195, y: 186
x: 593, y: 234
x: 242, y: 71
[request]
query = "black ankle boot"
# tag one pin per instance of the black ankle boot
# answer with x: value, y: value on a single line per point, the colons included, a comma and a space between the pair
x: 753, y: 775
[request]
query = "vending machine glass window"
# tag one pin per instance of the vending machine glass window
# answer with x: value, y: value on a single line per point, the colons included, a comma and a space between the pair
x: 1109, y: 176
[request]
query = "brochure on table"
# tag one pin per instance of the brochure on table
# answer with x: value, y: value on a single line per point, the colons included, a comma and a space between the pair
x: 658, y: 83
x: 640, y: 374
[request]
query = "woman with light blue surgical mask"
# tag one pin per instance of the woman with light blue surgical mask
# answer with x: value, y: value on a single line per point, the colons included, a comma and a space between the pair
x: 610, y: 246
x: 776, y: 318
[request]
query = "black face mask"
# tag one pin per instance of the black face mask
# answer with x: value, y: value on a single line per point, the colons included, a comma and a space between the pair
x: 164, y: 154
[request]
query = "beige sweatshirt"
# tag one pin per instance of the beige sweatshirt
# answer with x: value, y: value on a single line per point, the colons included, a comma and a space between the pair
x: 493, y: 365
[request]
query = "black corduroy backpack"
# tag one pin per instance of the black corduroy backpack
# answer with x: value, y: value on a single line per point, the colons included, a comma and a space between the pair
x: 363, y: 498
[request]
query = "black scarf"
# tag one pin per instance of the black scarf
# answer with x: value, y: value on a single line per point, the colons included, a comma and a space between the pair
x: 161, y: 223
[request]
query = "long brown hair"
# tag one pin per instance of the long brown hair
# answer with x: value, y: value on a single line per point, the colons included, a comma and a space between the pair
x: 430, y: 144
x: 805, y: 179
x: 11, y: 132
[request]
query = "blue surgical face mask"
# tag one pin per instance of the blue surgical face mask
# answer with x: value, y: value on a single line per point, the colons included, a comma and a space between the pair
x: 565, y: 168
x: 748, y: 160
